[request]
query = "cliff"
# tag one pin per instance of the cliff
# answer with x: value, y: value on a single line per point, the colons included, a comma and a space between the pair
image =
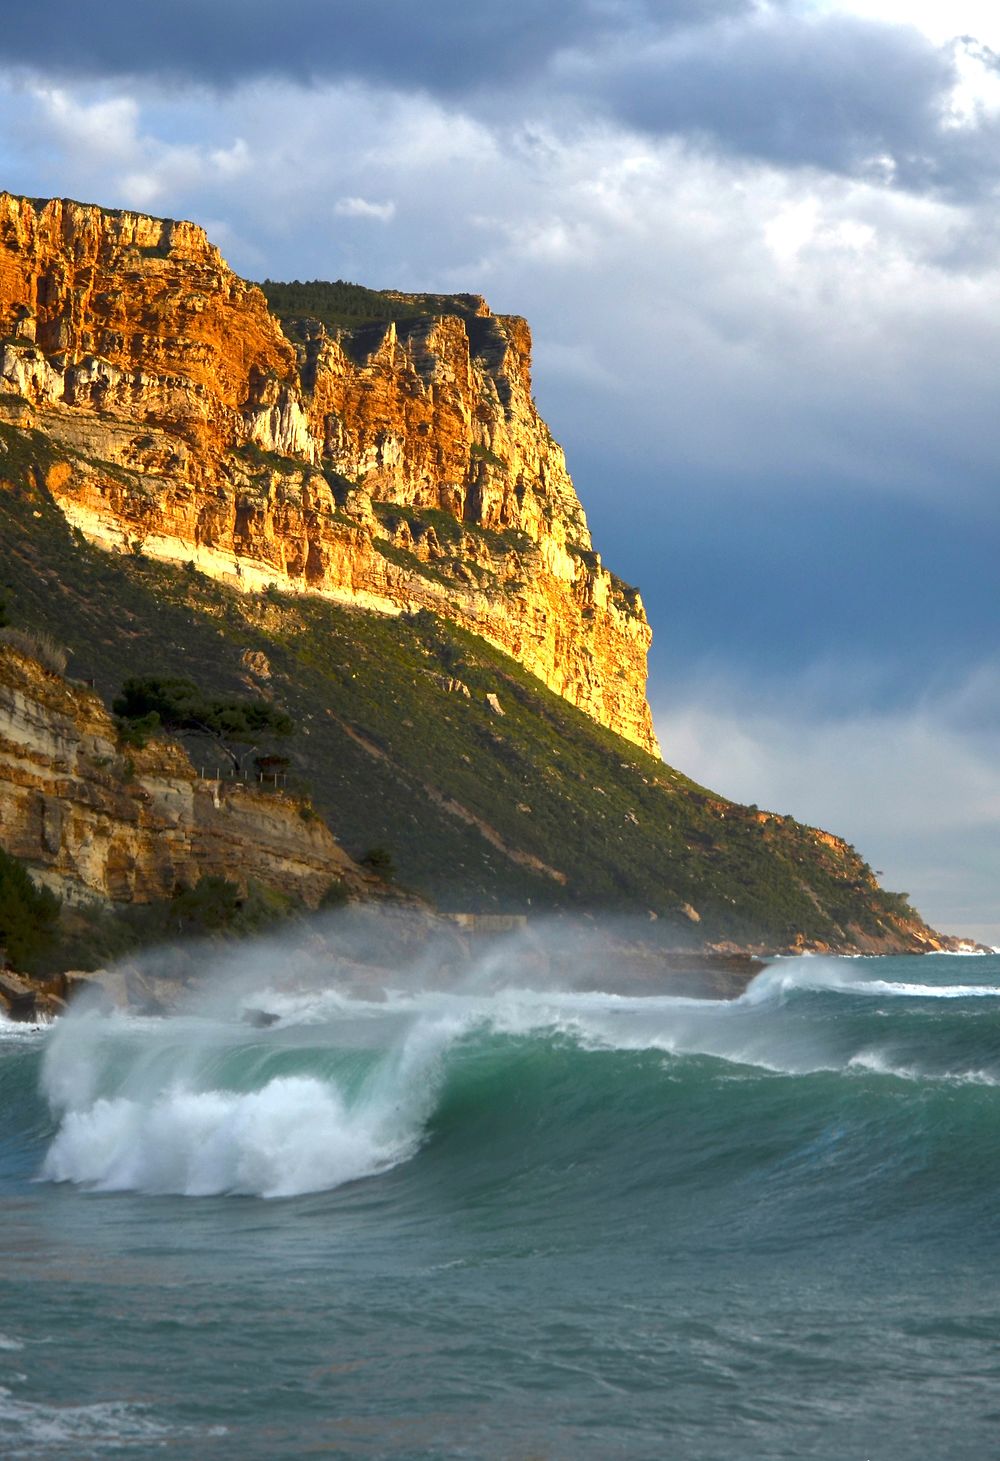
x: 347, y: 501
x: 492, y: 794
x: 94, y: 821
x: 393, y: 463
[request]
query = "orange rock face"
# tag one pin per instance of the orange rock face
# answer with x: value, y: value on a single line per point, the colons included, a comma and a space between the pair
x: 137, y: 313
x: 397, y: 465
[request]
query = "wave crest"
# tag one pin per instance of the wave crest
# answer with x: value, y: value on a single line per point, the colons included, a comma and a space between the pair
x: 340, y: 1088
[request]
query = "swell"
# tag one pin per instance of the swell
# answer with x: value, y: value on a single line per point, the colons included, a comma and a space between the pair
x: 519, y: 1085
x: 27, y: 1121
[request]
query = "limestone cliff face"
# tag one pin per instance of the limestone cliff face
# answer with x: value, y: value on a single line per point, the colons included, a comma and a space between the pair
x: 91, y: 822
x: 397, y: 465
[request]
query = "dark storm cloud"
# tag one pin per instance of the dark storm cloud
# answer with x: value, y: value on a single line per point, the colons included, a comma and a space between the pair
x: 448, y: 46
x: 835, y: 93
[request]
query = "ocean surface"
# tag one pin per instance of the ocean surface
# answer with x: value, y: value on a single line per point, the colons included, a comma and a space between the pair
x: 511, y: 1223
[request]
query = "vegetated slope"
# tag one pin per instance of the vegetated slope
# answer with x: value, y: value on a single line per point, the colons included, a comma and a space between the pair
x: 534, y: 808
x: 338, y: 304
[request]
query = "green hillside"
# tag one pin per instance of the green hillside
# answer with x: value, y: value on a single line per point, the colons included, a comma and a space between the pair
x: 338, y: 304
x: 536, y: 808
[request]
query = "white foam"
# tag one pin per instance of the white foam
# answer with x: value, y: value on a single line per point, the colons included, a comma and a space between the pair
x: 161, y: 1133
x: 834, y: 977
x: 926, y: 991
x: 19, y: 1030
x: 28, y: 1426
x: 295, y: 1135
x: 878, y: 1062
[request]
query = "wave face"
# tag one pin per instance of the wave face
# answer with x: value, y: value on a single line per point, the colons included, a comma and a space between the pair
x: 338, y: 1089
x: 607, y: 1225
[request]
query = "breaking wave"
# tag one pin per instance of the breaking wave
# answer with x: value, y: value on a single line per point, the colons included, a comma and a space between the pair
x: 337, y: 1088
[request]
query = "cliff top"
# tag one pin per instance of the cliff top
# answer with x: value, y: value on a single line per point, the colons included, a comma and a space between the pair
x: 338, y: 304
x: 335, y: 303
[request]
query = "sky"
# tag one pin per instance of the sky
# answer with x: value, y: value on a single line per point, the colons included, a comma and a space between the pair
x: 759, y: 248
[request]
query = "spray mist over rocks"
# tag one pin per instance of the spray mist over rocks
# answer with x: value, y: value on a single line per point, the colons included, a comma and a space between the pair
x: 289, y: 1068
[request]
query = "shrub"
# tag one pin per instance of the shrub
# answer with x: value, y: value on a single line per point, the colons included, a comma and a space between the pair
x: 137, y: 732
x: 339, y: 303
x: 28, y: 915
x: 261, y: 907
x: 216, y: 906
x: 209, y: 907
x: 483, y: 454
x: 179, y: 705
x: 378, y: 860
x: 37, y: 646
x: 334, y: 895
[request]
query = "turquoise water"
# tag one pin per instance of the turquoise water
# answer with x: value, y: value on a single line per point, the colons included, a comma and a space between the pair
x: 512, y: 1224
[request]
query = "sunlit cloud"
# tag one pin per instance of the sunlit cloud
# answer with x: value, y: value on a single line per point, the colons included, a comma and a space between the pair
x: 940, y: 22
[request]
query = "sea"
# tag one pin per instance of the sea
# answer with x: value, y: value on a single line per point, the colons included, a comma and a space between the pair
x: 504, y: 1221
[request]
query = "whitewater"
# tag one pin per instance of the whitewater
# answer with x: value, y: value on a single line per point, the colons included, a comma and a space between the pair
x: 495, y: 1219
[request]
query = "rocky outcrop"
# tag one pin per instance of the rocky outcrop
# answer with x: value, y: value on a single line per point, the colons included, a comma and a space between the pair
x: 397, y: 465
x: 93, y: 821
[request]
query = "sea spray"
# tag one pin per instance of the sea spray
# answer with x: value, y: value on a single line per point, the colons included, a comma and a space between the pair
x: 142, y: 1109
x: 342, y: 1087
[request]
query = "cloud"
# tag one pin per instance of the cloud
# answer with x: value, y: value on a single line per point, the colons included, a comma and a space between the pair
x: 974, y: 99
x: 783, y: 329
x: 939, y: 23
x: 831, y: 91
x: 101, y: 141
x: 364, y: 208
x: 802, y: 85
x: 848, y: 87
x: 915, y: 788
x: 449, y: 47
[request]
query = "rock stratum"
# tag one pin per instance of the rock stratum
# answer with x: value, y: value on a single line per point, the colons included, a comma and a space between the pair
x: 96, y: 821
x: 393, y: 463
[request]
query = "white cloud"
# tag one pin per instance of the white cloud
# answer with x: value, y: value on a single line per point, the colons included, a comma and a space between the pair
x: 970, y: 29
x: 364, y: 208
x: 141, y: 190
x: 939, y: 20
x: 104, y: 129
x: 230, y: 162
x: 975, y: 97
x: 104, y: 148
x: 917, y: 790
